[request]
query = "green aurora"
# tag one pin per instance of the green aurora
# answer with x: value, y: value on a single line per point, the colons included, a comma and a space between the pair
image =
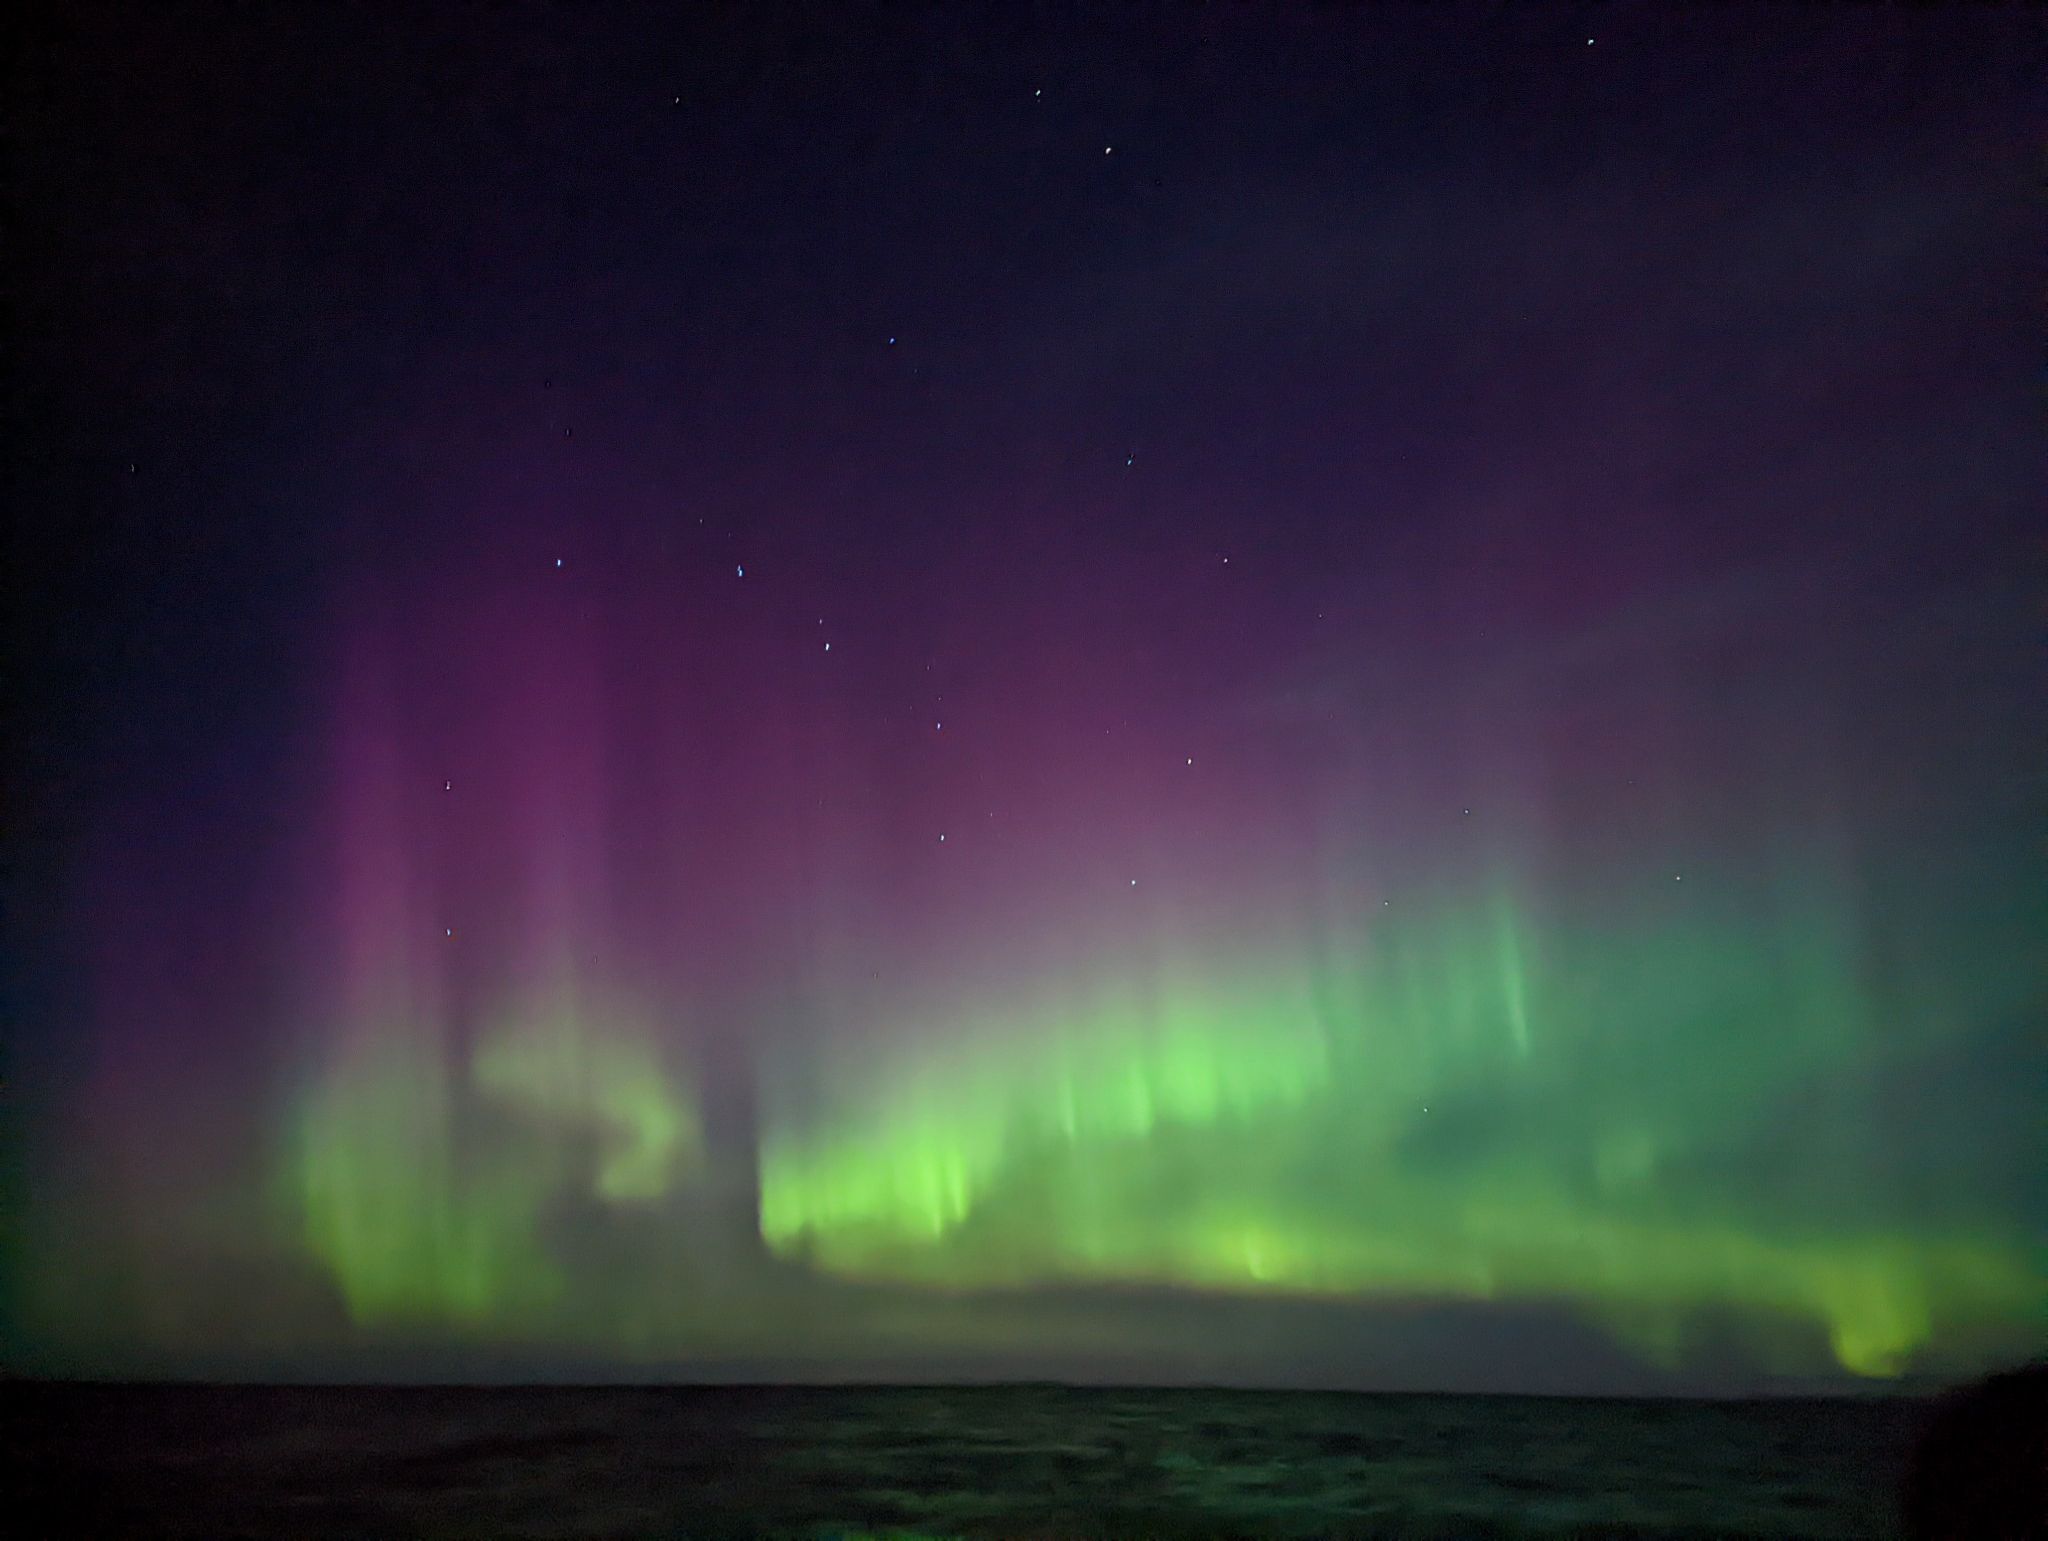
x: 1453, y: 1104
x: 423, y: 1193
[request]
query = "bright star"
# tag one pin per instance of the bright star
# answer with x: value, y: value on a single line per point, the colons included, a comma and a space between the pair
x: 741, y: 571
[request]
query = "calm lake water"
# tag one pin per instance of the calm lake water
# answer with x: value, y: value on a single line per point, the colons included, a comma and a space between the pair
x: 1034, y: 1461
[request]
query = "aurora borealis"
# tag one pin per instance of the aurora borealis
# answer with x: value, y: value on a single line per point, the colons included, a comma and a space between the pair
x: 1193, y: 698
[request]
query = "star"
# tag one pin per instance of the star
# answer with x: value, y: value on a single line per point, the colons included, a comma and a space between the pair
x: 741, y: 571
x: 447, y: 786
x: 449, y: 932
x: 892, y: 342
x: 828, y: 647
x: 558, y: 561
x: 942, y: 840
x: 937, y: 726
x: 1107, y: 148
x: 1038, y: 92
x: 1191, y: 759
x: 1134, y: 882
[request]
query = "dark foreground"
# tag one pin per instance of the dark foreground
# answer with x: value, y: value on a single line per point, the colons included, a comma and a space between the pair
x: 225, y: 1462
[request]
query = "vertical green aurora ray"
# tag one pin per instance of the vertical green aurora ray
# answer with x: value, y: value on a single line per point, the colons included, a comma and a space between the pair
x: 409, y: 1228
x: 423, y: 1177
x: 1484, y: 1115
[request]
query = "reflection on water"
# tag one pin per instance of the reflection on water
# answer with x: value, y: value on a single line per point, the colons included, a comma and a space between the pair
x: 1033, y: 1461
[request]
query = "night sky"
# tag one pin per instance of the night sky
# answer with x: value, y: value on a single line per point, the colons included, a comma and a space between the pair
x: 1333, y: 696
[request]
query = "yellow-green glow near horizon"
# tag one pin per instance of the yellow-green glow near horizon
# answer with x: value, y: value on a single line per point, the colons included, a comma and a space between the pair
x: 405, y: 1226
x: 1452, y: 1102
x: 1439, y: 1117
x: 1113, y: 1075
x: 424, y: 1191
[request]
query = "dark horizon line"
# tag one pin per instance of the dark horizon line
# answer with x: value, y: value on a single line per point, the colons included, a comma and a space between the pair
x: 1904, y: 1389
